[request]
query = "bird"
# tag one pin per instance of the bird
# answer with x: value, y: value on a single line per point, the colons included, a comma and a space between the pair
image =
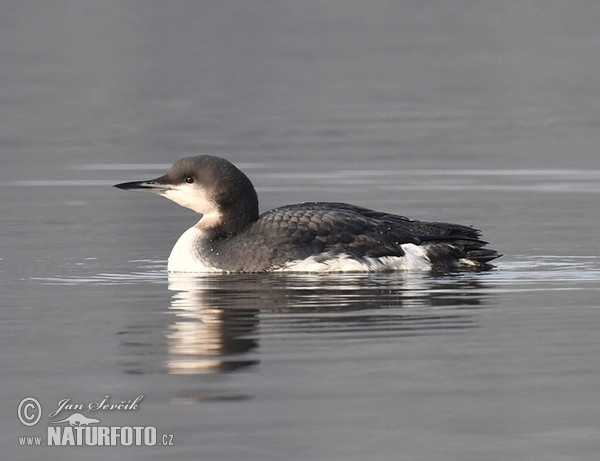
x: 233, y: 237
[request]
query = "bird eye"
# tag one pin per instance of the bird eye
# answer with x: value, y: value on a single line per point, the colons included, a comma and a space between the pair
x: 189, y: 180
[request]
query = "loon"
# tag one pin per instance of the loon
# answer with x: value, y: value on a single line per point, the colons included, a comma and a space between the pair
x: 233, y: 237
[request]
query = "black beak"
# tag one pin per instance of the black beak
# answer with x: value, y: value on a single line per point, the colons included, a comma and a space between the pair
x: 149, y: 186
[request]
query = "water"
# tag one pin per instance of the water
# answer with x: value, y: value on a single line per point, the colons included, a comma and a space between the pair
x: 476, y: 114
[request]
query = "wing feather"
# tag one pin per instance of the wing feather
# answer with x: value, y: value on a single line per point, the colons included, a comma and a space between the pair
x: 320, y: 228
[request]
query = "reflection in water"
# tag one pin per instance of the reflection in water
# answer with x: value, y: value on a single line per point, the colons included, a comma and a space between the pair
x: 201, y: 338
x: 214, y: 323
x: 216, y: 326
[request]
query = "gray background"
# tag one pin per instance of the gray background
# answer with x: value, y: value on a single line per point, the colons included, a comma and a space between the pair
x: 465, y: 111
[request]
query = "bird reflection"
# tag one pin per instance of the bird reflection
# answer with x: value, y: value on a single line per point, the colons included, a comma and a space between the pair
x: 211, y: 340
x: 207, y: 336
x: 215, y: 329
x: 215, y: 322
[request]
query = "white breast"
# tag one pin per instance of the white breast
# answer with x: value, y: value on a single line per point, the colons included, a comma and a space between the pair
x: 185, y: 255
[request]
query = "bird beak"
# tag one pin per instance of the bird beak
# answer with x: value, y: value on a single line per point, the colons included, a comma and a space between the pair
x: 149, y: 186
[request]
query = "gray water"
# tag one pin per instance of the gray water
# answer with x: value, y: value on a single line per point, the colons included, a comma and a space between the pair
x: 451, y: 111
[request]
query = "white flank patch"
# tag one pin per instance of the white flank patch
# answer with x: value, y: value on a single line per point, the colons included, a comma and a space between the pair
x: 414, y: 259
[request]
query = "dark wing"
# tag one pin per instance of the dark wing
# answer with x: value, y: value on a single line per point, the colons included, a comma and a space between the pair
x: 331, y: 226
x: 308, y: 229
x: 446, y: 242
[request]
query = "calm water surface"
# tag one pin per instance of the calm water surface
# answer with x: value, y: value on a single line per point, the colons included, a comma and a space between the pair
x: 471, y: 114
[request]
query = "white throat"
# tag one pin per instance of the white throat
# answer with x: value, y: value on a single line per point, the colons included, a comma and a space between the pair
x: 192, y: 197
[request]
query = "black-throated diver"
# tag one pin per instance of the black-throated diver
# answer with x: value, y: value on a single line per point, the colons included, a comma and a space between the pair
x: 231, y: 236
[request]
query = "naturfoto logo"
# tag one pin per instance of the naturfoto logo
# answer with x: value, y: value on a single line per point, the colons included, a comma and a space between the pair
x: 79, y: 429
x: 77, y: 419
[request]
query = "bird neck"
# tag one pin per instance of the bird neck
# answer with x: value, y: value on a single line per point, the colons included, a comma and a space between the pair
x: 230, y: 219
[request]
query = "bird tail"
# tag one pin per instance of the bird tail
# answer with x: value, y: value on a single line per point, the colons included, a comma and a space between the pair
x: 460, y: 254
